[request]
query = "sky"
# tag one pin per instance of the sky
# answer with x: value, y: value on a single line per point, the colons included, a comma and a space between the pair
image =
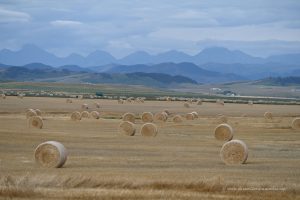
x: 257, y: 27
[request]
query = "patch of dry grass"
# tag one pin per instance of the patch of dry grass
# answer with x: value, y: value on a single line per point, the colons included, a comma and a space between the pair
x: 84, y: 187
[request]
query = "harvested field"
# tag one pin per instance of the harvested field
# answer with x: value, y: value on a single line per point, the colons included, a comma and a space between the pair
x: 181, y: 162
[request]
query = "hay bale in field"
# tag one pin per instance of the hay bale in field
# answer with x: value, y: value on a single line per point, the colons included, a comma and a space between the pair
x: 76, y: 116
x: 222, y: 118
x: 129, y: 100
x: 268, y: 115
x: 85, y: 106
x: 224, y: 132
x: 186, y: 105
x: 195, y: 114
x: 127, y: 128
x: 147, y: 117
x: 38, y: 112
x: 85, y: 114
x: 95, y: 114
x: 177, y: 119
x: 97, y: 105
x: 296, y: 124
x: 167, y: 111
x: 162, y: 116
x: 50, y: 154
x: 36, y: 122
x: 234, y: 152
x: 69, y: 101
x: 30, y: 113
x: 139, y: 100
x: 199, y: 102
x: 189, y: 116
x: 129, y: 117
x: 149, y: 129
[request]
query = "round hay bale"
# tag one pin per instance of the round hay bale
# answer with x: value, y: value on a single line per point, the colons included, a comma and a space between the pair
x: 38, y: 112
x: 195, y: 114
x: 69, y: 101
x: 127, y: 128
x: 85, y: 114
x: 177, y: 119
x: 186, y: 105
x: 162, y: 116
x: 95, y: 114
x: 222, y: 118
x: 189, y: 116
x: 36, y: 121
x: 149, y: 129
x: 76, y: 116
x: 97, y: 105
x: 268, y: 115
x: 224, y: 132
x: 50, y: 154
x: 234, y: 152
x: 147, y: 117
x: 30, y: 113
x: 296, y: 123
x: 167, y: 112
x: 199, y: 102
x: 129, y: 117
x: 85, y: 106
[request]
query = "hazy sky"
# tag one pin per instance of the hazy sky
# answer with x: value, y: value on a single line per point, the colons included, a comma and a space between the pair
x: 258, y: 27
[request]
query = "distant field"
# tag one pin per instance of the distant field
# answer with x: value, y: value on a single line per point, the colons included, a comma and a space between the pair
x: 247, y: 89
x: 283, y: 95
x: 182, y: 162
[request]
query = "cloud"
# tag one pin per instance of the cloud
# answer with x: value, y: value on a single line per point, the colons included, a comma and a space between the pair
x: 246, y: 33
x: 9, y: 16
x: 65, y: 23
x: 121, y: 26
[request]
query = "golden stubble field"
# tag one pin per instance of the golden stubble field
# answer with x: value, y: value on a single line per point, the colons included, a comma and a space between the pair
x: 181, y: 162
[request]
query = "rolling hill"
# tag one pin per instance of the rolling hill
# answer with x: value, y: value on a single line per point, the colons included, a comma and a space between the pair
x: 64, y: 74
x: 280, y: 81
x: 186, y: 69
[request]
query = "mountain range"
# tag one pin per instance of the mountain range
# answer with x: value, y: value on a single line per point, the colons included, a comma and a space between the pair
x: 211, y: 65
x: 30, y: 53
